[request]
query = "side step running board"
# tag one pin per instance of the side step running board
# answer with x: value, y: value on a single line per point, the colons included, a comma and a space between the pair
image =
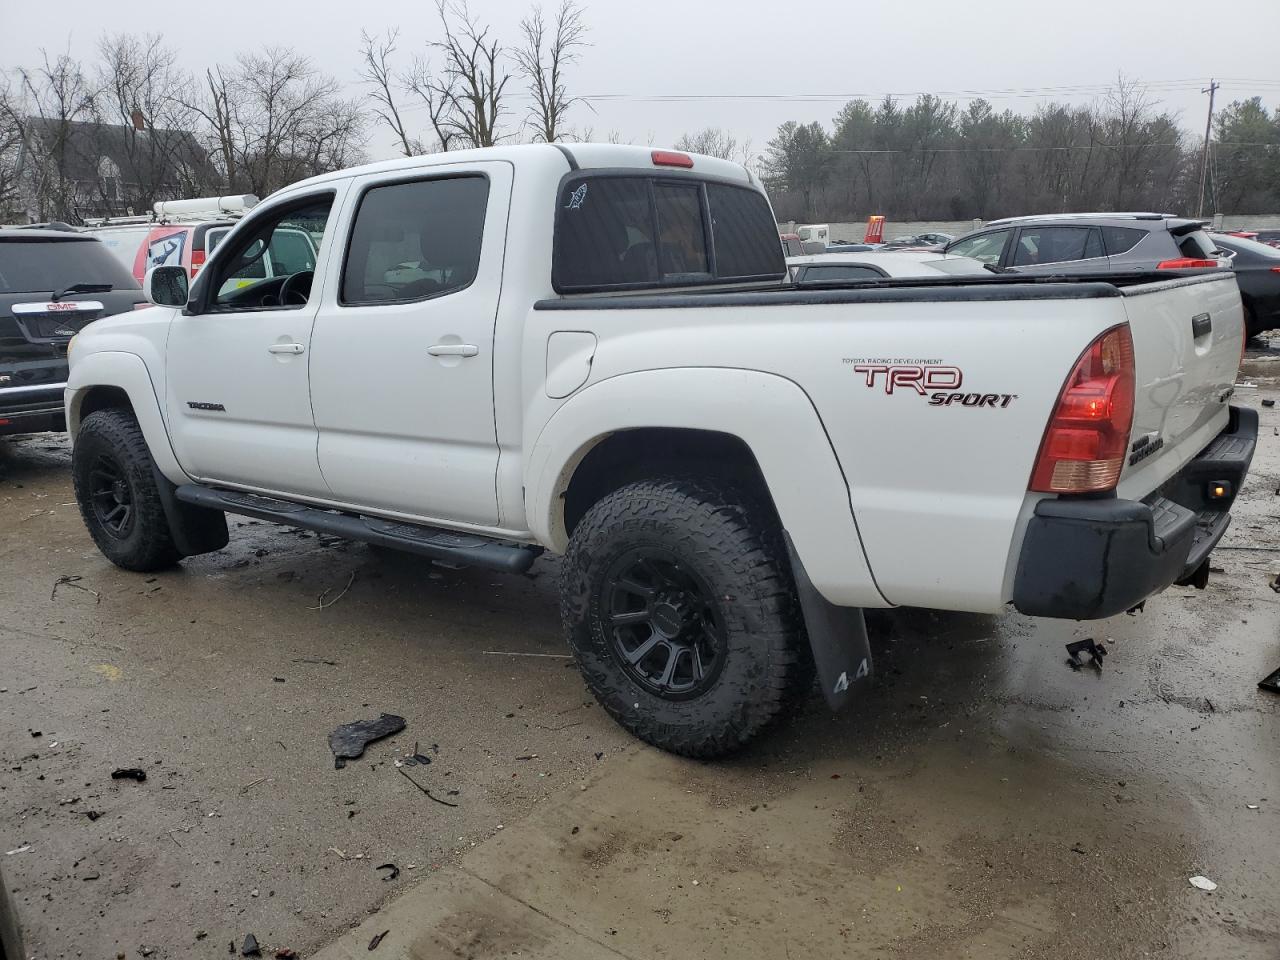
x: 447, y: 546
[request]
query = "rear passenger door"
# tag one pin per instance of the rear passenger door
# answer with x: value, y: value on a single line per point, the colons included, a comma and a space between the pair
x: 402, y: 358
x: 1058, y: 249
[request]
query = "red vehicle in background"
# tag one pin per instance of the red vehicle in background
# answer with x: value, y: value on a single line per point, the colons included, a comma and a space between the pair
x: 177, y: 233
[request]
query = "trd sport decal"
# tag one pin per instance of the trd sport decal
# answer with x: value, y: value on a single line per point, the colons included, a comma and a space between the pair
x: 926, y: 378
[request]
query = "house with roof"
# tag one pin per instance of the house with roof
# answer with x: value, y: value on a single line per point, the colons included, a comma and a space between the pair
x: 73, y: 169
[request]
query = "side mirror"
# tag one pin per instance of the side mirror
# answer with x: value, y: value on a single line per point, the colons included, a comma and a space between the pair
x: 166, y: 286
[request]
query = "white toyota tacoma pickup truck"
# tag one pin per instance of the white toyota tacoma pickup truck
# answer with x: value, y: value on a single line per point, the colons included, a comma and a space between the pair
x: 594, y: 351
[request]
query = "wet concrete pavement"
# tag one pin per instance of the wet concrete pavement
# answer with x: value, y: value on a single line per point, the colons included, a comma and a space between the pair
x: 982, y: 801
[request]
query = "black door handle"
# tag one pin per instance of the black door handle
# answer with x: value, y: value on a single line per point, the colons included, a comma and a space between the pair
x: 1201, y: 325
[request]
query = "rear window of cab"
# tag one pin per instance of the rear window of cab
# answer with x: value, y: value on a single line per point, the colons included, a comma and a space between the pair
x: 636, y: 232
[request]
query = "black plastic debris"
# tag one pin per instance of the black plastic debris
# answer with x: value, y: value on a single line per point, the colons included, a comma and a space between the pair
x: 93, y: 814
x: 1268, y: 403
x: 350, y: 739
x: 250, y: 948
x: 129, y: 773
x: 1271, y: 683
x: 1095, y: 652
x: 419, y: 756
x: 395, y: 871
x: 373, y: 944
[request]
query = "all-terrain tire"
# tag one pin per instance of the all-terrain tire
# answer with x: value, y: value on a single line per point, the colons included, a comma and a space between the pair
x: 110, y: 444
x: 706, y: 533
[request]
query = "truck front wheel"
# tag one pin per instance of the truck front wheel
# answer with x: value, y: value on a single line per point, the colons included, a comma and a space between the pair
x: 116, y: 491
x: 681, y: 611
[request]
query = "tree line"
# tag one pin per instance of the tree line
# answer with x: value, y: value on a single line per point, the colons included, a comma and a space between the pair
x: 270, y: 117
x: 933, y: 160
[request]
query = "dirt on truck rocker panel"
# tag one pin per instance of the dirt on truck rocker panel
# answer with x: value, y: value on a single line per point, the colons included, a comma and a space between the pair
x: 603, y: 357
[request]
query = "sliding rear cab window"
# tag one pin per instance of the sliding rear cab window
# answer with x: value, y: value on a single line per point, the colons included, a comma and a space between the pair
x: 637, y: 232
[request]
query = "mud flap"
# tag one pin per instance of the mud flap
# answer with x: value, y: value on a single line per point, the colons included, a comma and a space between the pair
x: 838, y: 636
x: 195, y: 530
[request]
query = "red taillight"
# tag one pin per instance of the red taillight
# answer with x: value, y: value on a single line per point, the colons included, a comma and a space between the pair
x: 197, y: 261
x: 1087, y: 438
x: 1187, y: 263
x: 1275, y: 269
x: 670, y: 158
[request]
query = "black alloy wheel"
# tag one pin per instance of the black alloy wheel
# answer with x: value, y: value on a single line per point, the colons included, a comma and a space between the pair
x: 662, y: 624
x: 111, y: 496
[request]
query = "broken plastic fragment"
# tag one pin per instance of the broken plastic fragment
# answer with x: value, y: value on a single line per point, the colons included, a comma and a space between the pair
x: 1203, y: 883
x: 129, y: 773
x: 350, y: 739
x: 250, y: 948
x: 373, y: 944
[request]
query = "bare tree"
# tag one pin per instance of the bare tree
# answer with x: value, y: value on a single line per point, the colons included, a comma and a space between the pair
x: 143, y: 99
x: 214, y: 105
x: 428, y: 88
x: 470, y: 87
x: 376, y: 54
x: 10, y: 148
x: 274, y: 118
x: 544, y: 53
x: 715, y: 142
x: 50, y: 101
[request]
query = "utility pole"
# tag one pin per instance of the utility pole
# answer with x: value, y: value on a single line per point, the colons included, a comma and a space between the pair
x: 1208, y: 129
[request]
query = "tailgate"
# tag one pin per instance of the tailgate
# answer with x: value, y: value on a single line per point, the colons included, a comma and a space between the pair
x: 1187, y: 338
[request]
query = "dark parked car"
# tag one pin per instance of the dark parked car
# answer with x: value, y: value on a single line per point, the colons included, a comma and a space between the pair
x: 920, y: 240
x: 1270, y: 237
x: 52, y: 283
x: 1090, y: 243
x: 1257, y: 269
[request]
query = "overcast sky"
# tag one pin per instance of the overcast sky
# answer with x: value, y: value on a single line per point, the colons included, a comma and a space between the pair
x: 818, y: 53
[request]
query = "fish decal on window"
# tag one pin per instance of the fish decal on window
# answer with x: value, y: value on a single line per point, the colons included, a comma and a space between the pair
x: 577, y: 198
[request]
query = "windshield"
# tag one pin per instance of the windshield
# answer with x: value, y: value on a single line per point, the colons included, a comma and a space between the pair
x: 43, y: 266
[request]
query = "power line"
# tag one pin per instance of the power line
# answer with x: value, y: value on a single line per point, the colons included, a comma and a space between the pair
x: 995, y: 93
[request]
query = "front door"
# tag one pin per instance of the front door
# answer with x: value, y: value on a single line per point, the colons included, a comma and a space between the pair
x: 237, y: 388
x: 402, y: 358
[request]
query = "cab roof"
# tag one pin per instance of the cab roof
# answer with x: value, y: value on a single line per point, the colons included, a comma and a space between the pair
x: 566, y: 155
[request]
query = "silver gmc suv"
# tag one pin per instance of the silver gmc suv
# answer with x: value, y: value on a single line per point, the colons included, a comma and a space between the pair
x: 1091, y: 243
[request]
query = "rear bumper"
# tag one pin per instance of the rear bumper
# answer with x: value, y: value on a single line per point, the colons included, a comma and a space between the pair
x: 1089, y: 559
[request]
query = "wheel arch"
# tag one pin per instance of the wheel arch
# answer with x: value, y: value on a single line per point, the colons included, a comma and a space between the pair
x: 113, y: 379
x: 760, y: 427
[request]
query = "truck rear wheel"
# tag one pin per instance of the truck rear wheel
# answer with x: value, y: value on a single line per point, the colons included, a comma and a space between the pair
x: 115, y: 488
x: 681, y: 611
